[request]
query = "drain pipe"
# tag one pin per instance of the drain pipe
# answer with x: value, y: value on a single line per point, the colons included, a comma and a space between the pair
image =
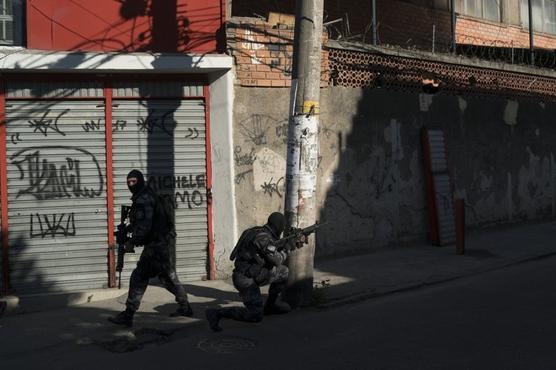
x: 373, y: 17
x: 531, y: 33
x: 453, y: 25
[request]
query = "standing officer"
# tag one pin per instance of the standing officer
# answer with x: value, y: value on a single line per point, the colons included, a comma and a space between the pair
x: 258, y: 261
x: 150, y: 227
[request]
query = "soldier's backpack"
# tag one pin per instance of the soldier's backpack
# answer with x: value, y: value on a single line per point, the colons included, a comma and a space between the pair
x: 244, y: 242
x: 167, y: 205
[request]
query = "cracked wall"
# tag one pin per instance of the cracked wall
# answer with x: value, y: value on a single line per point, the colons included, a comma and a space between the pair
x: 370, y: 174
x: 260, y: 133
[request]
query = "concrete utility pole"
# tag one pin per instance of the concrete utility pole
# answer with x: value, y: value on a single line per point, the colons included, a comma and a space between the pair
x: 303, y: 145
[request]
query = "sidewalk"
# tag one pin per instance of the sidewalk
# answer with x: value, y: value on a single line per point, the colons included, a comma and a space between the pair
x: 338, y: 281
x: 350, y: 279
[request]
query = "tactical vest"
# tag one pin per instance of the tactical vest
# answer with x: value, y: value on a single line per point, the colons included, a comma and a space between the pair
x: 247, y: 258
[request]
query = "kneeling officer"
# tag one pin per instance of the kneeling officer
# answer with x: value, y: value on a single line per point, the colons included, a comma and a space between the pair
x: 259, y: 260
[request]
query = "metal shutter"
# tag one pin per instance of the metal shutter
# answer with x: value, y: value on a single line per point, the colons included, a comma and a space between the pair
x: 1, y: 253
x: 165, y: 139
x: 442, y: 206
x: 56, y: 195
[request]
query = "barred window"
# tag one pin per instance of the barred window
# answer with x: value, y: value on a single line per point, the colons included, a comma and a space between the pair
x: 485, y: 9
x: 11, y: 22
x: 544, y: 15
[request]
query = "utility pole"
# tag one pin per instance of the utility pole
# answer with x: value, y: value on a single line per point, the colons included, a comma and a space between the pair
x: 303, y: 144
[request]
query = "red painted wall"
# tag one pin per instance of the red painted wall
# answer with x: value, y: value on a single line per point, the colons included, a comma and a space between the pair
x: 125, y: 25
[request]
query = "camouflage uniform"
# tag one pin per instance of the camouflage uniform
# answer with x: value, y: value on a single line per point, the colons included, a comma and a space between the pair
x: 150, y: 228
x: 258, y: 262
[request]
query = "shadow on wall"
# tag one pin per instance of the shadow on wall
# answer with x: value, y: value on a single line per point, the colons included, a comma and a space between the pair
x: 500, y: 155
x: 370, y: 174
x: 135, y: 26
x: 160, y: 147
x: 430, y: 28
x: 24, y: 267
x: 354, y: 15
x: 26, y: 279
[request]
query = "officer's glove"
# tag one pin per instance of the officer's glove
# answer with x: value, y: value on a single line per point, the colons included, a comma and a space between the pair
x: 128, y: 247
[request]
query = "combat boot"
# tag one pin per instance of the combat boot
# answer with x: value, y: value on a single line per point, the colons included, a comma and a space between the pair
x: 183, y: 311
x: 124, y: 318
x: 273, y: 306
x: 213, y: 318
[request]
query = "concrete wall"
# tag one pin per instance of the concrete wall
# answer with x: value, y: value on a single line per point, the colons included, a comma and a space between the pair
x: 223, y: 210
x: 260, y: 132
x: 371, y: 185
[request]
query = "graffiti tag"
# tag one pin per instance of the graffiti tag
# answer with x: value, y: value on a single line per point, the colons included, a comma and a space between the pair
x: 241, y: 176
x: 246, y: 159
x: 51, y: 225
x: 53, y: 172
x: 272, y: 187
x: 151, y: 122
x: 44, y: 125
x: 192, y: 134
x: 91, y: 126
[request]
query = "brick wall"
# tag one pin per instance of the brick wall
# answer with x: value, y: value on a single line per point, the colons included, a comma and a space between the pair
x: 406, y: 23
x: 263, y: 54
x: 478, y: 32
x: 359, y: 12
x: 399, y: 22
x: 411, y: 25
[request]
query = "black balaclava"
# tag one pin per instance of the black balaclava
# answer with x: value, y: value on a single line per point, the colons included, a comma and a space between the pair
x: 140, y: 181
x: 277, y: 222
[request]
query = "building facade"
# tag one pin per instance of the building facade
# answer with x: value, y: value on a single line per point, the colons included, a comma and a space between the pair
x: 196, y: 95
x: 492, y: 107
x: 89, y: 93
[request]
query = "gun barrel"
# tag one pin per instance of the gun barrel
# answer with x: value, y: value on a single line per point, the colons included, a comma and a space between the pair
x: 312, y: 228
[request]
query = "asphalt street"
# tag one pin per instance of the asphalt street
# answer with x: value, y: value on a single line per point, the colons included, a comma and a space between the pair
x: 503, y: 319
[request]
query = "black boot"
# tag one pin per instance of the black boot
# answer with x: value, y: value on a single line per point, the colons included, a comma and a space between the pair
x: 124, y: 318
x: 183, y: 311
x: 213, y: 318
x: 273, y: 306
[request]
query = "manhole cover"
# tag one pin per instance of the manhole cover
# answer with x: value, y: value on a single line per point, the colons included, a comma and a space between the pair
x: 225, y: 345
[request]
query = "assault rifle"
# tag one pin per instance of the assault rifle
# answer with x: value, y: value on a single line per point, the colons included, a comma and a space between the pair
x: 294, y: 234
x: 122, y: 236
x: 282, y: 244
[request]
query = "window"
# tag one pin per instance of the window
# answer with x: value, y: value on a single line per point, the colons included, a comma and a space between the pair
x: 11, y: 22
x: 486, y: 9
x: 544, y: 15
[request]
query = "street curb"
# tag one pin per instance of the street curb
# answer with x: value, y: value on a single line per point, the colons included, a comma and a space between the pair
x: 16, y: 305
x: 366, y: 295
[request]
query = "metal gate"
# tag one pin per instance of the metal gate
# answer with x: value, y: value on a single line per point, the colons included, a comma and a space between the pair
x: 2, y: 290
x: 165, y: 139
x: 56, y: 195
